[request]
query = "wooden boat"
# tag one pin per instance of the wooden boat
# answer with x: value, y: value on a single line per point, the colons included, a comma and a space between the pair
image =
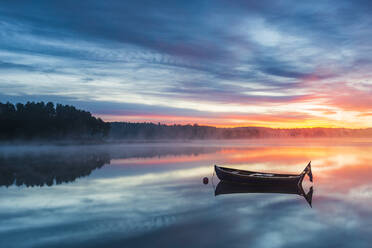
x: 225, y: 187
x: 252, y: 177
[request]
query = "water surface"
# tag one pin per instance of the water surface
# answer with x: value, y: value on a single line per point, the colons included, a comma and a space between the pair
x: 152, y: 195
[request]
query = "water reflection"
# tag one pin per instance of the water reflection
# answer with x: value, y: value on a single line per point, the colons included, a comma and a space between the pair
x: 151, y: 195
x: 224, y: 187
x: 48, y: 169
x: 48, y: 166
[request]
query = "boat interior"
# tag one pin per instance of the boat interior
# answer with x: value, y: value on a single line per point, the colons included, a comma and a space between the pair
x: 253, y: 173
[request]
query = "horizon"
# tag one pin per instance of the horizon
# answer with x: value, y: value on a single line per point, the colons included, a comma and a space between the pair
x: 220, y: 63
x: 199, y: 124
x: 192, y: 124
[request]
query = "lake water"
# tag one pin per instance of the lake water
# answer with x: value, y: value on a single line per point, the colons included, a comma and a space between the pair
x: 152, y: 195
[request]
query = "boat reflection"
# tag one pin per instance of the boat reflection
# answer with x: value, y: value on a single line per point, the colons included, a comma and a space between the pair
x: 225, y: 187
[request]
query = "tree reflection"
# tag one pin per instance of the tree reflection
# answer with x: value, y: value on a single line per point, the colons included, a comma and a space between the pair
x: 47, y: 166
x: 48, y: 169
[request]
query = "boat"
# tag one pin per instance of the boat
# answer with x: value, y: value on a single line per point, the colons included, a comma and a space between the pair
x: 235, y: 181
x: 225, y: 187
x: 252, y: 177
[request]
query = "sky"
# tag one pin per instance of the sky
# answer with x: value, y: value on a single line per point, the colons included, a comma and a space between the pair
x: 281, y: 64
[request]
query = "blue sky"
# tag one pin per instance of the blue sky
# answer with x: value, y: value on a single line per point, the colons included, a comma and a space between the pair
x: 224, y: 63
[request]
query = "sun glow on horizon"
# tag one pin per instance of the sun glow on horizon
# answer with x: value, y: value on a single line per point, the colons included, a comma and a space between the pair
x: 233, y: 123
x: 260, y: 71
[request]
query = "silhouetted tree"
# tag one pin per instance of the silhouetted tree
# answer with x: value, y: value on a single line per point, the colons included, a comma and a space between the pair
x: 39, y: 120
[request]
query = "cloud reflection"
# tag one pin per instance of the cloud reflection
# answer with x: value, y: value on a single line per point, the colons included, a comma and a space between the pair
x: 130, y: 202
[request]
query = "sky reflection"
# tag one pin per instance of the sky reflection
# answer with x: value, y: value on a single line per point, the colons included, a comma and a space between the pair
x: 158, y: 199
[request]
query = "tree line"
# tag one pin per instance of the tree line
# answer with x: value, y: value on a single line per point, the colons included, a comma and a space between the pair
x: 128, y: 130
x: 39, y: 120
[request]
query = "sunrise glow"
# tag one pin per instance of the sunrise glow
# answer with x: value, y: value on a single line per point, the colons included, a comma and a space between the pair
x: 247, y: 67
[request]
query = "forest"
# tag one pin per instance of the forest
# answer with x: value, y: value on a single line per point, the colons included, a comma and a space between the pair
x: 39, y: 120
x: 46, y: 121
x: 128, y: 130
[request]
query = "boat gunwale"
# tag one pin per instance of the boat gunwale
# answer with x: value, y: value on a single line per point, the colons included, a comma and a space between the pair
x: 246, y: 173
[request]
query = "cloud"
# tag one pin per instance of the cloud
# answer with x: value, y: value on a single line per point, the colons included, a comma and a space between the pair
x: 197, y: 55
x: 12, y: 66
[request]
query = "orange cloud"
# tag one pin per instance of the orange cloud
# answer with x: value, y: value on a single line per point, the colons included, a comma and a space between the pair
x: 326, y: 104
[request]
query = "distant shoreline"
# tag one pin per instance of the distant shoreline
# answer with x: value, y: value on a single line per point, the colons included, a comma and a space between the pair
x: 176, y: 141
x: 49, y: 123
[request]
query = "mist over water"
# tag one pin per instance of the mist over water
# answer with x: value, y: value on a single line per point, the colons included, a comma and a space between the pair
x: 152, y: 195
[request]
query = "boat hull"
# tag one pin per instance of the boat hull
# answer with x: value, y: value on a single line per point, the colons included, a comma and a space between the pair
x: 240, y: 176
x: 226, y: 187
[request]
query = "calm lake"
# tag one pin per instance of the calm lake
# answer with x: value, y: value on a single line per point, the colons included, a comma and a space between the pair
x: 152, y: 195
